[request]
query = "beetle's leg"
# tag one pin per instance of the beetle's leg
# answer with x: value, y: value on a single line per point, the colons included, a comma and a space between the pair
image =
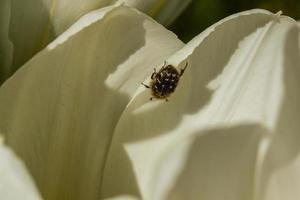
x: 167, y: 99
x: 165, y: 64
x: 182, y: 70
x: 153, y: 74
x: 151, y: 98
x: 146, y: 86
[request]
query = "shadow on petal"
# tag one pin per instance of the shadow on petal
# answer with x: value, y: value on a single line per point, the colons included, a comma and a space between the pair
x: 284, y: 150
x: 145, y: 120
x: 205, y: 64
x: 30, y: 30
x: 220, y: 165
x: 60, y: 113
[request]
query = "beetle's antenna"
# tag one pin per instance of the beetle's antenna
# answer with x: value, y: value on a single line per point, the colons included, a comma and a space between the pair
x: 165, y: 64
x: 153, y: 74
x: 145, y: 85
x: 182, y: 70
x: 186, y: 64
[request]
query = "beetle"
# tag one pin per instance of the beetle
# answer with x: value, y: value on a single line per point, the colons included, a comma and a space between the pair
x: 164, y: 82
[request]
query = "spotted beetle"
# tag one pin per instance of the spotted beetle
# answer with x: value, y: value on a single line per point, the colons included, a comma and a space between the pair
x: 164, y: 82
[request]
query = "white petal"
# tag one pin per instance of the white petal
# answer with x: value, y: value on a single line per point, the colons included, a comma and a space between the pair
x: 281, y: 169
x: 6, y: 48
x: 144, y: 5
x: 34, y: 24
x: 122, y: 197
x: 169, y: 10
x: 15, y: 182
x: 62, y: 106
x: 228, y: 100
x: 163, y: 11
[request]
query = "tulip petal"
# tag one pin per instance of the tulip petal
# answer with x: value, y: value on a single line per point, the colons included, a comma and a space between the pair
x: 122, y: 197
x: 6, y: 48
x: 15, y: 182
x: 165, y: 12
x: 35, y: 23
x: 60, y: 109
x: 204, y: 142
x: 281, y: 168
x: 170, y: 10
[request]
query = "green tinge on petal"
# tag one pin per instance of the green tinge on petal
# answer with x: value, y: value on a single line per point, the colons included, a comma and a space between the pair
x: 164, y: 11
x: 122, y: 197
x: 206, y: 140
x: 34, y: 24
x: 167, y: 11
x: 1, y: 139
x: 6, y: 48
x: 15, y: 182
x: 60, y: 108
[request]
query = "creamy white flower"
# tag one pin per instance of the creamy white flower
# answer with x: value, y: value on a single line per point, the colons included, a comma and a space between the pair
x: 163, y: 11
x: 122, y: 197
x: 238, y: 95
x: 15, y: 183
x: 79, y: 118
x: 28, y: 26
x: 86, y: 77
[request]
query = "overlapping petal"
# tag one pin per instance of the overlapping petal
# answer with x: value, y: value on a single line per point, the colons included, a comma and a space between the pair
x: 35, y: 23
x: 122, y: 197
x: 281, y: 168
x: 211, y: 140
x: 15, y: 182
x: 6, y: 49
x: 60, y: 109
x: 163, y: 11
x: 76, y: 115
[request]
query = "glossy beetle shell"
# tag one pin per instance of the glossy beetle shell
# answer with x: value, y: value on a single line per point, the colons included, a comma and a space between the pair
x: 164, y: 82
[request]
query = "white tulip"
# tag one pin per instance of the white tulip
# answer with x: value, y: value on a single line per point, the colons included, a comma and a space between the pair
x: 15, y: 183
x: 88, y: 75
x: 28, y: 26
x: 79, y: 118
x: 163, y: 11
